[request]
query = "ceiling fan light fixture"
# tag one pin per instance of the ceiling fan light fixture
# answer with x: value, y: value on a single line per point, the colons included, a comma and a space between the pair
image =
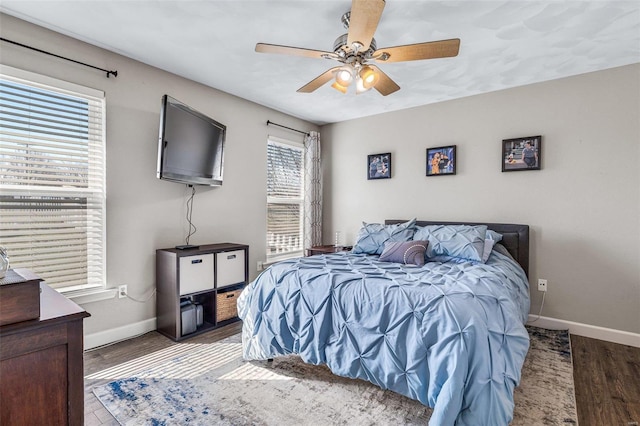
x: 368, y: 76
x: 360, y: 87
x: 339, y: 87
x: 344, y: 77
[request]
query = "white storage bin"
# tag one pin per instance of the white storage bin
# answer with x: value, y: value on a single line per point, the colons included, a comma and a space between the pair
x: 196, y: 273
x: 230, y: 265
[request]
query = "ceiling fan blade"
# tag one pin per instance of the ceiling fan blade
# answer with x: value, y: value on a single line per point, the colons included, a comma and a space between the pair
x: 295, y: 51
x: 318, y: 81
x: 365, y: 15
x: 414, y: 52
x: 385, y: 85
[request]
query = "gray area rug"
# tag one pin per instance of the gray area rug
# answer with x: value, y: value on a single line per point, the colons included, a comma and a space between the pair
x: 210, y: 384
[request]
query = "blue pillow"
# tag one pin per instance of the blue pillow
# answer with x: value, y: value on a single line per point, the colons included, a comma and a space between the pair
x: 372, y: 236
x: 459, y: 241
x: 407, y: 252
x: 491, y: 239
x: 493, y: 235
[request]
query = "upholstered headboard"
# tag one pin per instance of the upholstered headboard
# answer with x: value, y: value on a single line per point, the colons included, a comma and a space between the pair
x: 515, y: 237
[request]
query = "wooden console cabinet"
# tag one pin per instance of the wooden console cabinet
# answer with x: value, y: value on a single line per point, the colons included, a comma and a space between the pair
x: 210, y: 276
x: 326, y: 250
x: 41, y: 365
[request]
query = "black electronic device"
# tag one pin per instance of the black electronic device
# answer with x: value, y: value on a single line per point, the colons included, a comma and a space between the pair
x: 186, y: 247
x: 190, y: 145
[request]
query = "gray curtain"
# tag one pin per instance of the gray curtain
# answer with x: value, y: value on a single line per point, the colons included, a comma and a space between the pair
x: 313, y: 191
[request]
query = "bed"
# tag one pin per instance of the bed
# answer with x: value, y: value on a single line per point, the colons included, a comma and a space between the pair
x: 449, y: 333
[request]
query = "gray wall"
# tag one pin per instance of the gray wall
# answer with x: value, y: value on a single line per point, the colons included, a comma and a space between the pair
x: 144, y: 213
x: 583, y: 207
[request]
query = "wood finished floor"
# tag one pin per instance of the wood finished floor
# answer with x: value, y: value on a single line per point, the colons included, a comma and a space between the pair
x: 606, y: 375
x: 607, y: 380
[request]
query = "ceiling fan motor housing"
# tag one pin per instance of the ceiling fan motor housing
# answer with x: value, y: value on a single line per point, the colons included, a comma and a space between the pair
x: 341, y: 48
x: 346, y: 18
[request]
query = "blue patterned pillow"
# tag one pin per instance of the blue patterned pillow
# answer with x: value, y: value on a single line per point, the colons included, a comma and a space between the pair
x: 408, y: 252
x: 460, y: 241
x: 372, y: 236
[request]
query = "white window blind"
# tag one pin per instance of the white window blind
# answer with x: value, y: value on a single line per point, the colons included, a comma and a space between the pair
x: 285, y: 199
x: 52, y: 179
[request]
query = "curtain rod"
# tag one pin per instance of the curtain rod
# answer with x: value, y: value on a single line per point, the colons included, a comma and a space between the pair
x: 114, y: 73
x: 285, y: 127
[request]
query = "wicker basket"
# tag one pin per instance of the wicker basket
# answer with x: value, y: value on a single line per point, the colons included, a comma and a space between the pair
x: 226, y: 307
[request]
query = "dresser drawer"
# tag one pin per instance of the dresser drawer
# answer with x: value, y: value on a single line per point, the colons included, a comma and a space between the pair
x: 196, y: 273
x: 230, y: 268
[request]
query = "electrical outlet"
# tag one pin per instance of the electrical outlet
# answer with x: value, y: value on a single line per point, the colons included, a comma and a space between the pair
x: 260, y: 265
x: 542, y: 285
x: 122, y: 291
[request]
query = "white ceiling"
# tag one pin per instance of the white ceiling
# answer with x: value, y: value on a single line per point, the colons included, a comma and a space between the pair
x: 503, y: 44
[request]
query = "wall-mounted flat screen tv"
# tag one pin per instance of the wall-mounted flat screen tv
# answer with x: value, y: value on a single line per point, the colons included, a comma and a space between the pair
x: 190, y: 146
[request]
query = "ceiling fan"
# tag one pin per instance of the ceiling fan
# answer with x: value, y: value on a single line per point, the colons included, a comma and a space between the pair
x: 357, y: 49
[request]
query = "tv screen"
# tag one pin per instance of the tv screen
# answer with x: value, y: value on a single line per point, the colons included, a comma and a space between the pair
x: 190, y: 146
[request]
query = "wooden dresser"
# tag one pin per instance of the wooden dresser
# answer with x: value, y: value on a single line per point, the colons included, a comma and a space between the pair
x: 41, y: 365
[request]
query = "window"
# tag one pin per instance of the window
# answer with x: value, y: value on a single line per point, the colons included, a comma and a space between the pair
x: 52, y: 173
x: 285, y: 199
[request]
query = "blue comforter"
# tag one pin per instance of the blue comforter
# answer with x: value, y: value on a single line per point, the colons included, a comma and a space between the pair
x: 447, y: 334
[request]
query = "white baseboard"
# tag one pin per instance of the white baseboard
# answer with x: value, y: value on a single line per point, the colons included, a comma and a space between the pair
x: 586, y: 330
x: 112, y: 335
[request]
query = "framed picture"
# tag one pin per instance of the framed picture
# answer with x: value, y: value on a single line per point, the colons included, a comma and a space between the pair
x: 441, y: 161
x: 521, y: 153
x: 379, y: 166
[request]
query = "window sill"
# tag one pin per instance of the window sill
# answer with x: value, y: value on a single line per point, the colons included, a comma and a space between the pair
x: 90, y: 296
